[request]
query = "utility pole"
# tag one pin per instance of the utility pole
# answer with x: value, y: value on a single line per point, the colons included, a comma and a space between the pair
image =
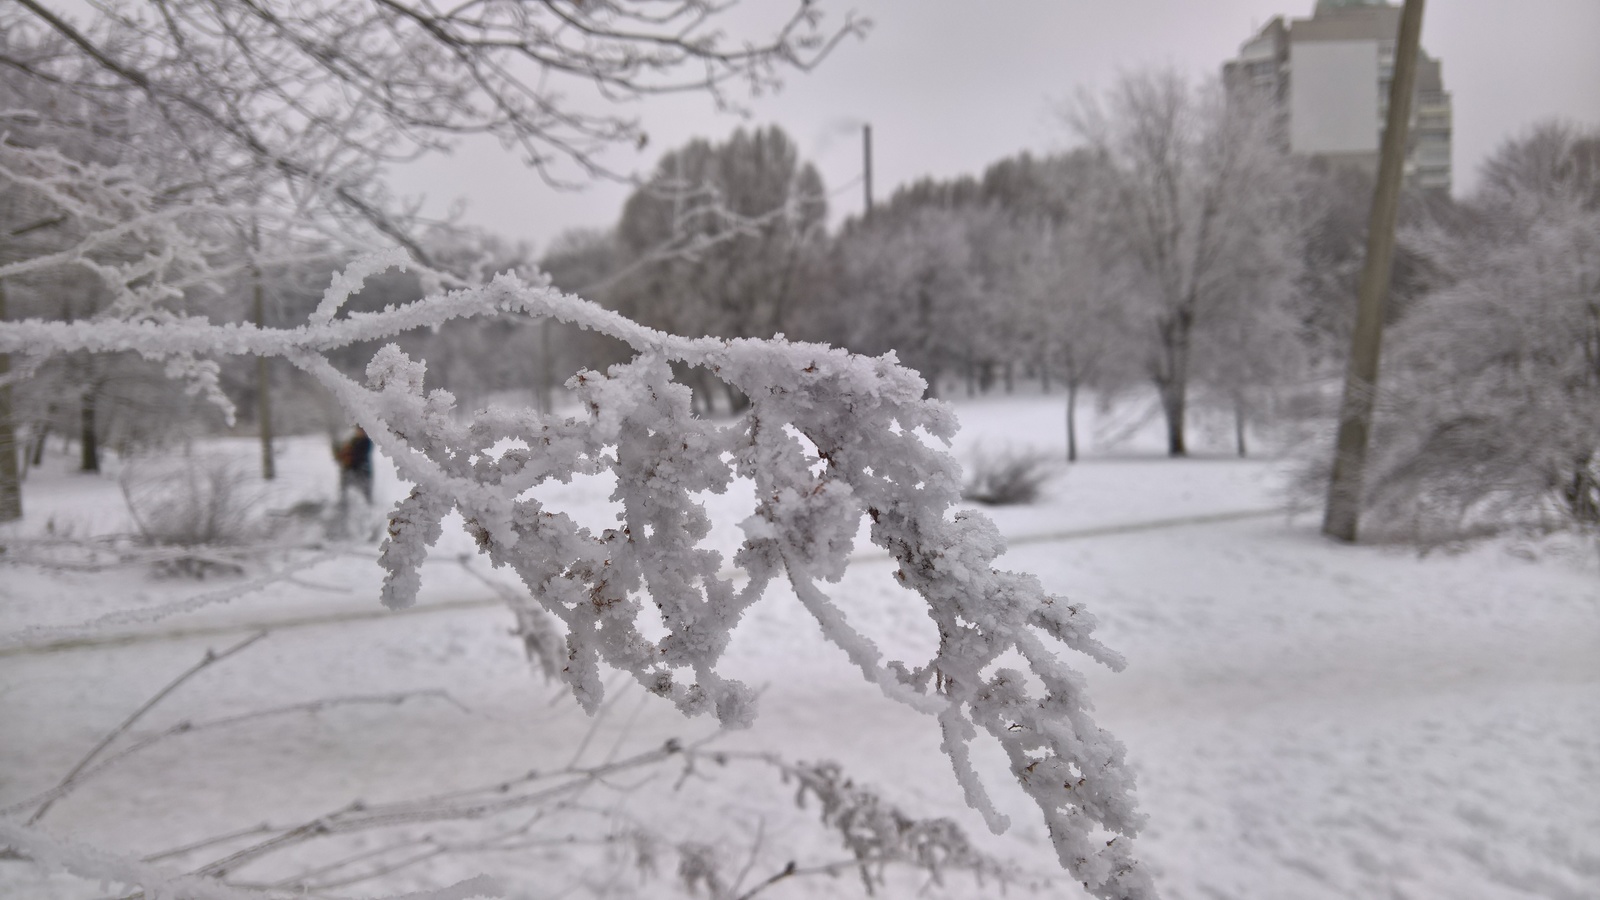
x: 866, y: 167
x: 1343, y: 511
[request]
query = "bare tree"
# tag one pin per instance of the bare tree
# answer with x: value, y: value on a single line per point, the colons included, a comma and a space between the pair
x: 1246, y: 359
x: 85, y: 227
x: 1076, y: 292
x: 721, y: 230
x: 1196, y: 191
x: 908, y: 284
x: 722, y: 239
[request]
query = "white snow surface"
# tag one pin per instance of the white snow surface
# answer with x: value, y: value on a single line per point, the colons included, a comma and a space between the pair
x: 1306, y: 720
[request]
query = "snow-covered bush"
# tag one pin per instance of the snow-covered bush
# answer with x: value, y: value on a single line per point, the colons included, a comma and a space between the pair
x: 1007, y: 478
x: 828, y: 440
x: 191, y: 500
x: 1489, y: 411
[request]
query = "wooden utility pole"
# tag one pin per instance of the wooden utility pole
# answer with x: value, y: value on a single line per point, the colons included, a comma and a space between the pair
x: 1343, y: 512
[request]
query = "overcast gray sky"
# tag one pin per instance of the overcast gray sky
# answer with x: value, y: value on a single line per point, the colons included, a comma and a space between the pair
x: 953, y: 85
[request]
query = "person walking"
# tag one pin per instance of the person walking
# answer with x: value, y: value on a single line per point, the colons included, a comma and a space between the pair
x: 355, y: 465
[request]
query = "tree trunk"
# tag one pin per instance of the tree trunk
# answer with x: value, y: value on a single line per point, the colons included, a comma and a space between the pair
x: 88, y: 437
x: 1072, y: 421
x: 1009, y: 375
x: 37, y: 440
x: 1582, y: 493
x: 1172, y: 376
x: 1173, y: 402
x: 1238, y: 425
x: 269, y: 468
x: 10, y: 475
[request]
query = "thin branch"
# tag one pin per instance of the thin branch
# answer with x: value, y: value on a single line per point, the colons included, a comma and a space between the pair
x: 59, y: 633
x: 263, y: 828
x: 186, y: 727
x: 207, y: 661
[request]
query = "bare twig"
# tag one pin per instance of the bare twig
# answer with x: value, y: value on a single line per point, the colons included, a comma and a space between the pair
x: 756, y: 846
x: 90, y: 627
x: 71, y: 783
x: 469, y: 805
x: 788, y: 871
x: 263, y: 828
x: 595, y: 722
x: 210, y: 658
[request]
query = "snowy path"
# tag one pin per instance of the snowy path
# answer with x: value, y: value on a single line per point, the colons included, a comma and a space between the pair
x: 237, y: 625
x: 1308, y: 720
x: 1373, y: 726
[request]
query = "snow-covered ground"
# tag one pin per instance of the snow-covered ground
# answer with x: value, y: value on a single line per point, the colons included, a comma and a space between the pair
x: 1307, y: 720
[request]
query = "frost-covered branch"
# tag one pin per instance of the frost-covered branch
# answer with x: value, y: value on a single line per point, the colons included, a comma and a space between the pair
x: 829, y: 439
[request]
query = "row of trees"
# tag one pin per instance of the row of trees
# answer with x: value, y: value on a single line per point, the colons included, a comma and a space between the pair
x: 1177, y: 251
x: 1172, y: 249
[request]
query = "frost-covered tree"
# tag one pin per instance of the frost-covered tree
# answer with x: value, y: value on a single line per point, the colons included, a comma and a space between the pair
x: 1490, y: 411
x: 723, y: 237
x: 1335, y: 203
x: 1196, y: 193
x: 87, y: 229
x: 723, y: 240
x: 970, y: 256
x: 1075, y: 293
x: 1003, y: 338
x: 906, y: 282
x: 1244, y: 361
x: 110, y: 212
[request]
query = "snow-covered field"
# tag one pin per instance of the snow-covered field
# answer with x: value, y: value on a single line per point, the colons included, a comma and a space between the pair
x: 1308, y: 720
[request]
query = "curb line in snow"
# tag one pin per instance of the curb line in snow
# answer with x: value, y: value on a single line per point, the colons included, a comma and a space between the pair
x: 308, y: 621
x: 1151, y: 525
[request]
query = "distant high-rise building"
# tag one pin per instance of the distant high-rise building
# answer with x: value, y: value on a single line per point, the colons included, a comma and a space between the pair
x: 1328, y: 76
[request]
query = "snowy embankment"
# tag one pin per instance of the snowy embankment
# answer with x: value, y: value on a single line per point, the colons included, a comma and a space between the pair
x: 1308, y: 720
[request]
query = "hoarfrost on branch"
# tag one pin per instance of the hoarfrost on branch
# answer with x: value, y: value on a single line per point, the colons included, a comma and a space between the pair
x: 829, y: 437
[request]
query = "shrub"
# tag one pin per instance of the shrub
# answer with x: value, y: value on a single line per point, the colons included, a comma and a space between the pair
x: 192, y: 501
x: 1008, y: 478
